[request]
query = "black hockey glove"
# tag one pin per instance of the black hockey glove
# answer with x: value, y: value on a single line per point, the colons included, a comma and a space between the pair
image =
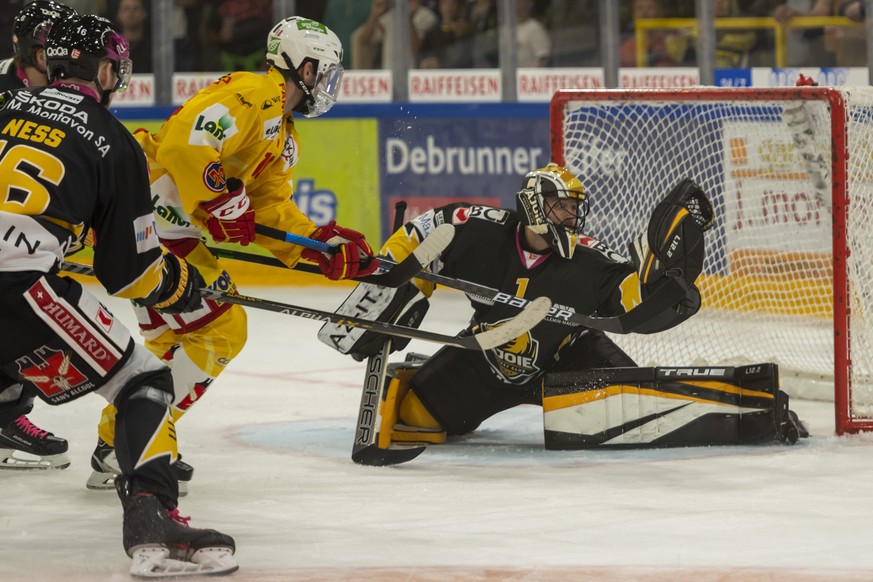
x: 180, y: 288
x: 371, y: 342
x: 673, y: 245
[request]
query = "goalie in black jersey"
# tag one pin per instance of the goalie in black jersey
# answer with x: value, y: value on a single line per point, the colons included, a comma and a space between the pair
x: 537, y: 250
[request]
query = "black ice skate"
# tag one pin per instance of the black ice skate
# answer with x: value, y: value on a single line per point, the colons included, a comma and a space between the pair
x: 162, y: 544
x: 105, y: 470
x: 23, y: 445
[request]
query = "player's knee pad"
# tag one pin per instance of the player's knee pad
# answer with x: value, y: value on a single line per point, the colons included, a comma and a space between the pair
x: 666, y: 407
x: 404, y: 419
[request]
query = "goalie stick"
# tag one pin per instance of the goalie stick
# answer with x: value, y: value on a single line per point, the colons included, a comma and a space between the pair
x: 663, y: 298
x: 486, y: 340
x: 399, y: 274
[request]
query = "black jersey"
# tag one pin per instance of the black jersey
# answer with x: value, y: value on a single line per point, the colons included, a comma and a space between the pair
x: 9, y: 78
x: 486, y: 249
x: 67, y: 164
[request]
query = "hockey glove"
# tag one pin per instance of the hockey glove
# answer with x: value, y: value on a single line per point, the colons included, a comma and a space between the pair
x: 231, y: 218
x: 673, y: 246
x: 353, y: 257
x: 179, y: 290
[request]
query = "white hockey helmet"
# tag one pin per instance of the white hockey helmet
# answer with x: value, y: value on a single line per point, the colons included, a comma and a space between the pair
x: 295, y: 41
x: 549, y: 193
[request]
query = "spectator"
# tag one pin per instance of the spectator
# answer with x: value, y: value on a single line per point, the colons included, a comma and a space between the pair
x: 732, y: 46
x: 483, y: 17
x: 8, y: 11
x: 186, y: 49
x: 666, y: 48
x: 805, y: 47
x: 372, y: 42
x: 132, y: 18
x: 532, y: 41
x: 240, y: 27
x: 448, y: 46
x: 344, y: 17
x: 853, y: 10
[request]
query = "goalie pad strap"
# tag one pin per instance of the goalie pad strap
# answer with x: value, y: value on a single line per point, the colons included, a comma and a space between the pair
x: 663, y: 407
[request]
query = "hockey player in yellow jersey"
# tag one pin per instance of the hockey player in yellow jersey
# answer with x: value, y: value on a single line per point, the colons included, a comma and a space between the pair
x: 222, y: 161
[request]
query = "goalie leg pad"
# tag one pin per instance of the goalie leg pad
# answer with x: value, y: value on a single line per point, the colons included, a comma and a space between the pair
x: 404, y: 419
x: 667, y: 407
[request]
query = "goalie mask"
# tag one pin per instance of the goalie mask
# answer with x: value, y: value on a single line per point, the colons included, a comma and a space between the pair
x: 295, y: 41
x: 553, y: 204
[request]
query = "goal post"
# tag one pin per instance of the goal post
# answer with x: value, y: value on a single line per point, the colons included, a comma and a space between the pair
x: 788, y: 276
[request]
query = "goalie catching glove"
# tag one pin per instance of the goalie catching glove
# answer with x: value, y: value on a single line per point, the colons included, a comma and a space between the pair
x: 353, y: 256
x: 404, y: 305
x: 231, y: 218
x: 673, y: 245
x: 179, y: 290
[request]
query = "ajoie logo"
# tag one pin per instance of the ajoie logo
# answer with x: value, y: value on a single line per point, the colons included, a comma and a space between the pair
x: 60, y: 51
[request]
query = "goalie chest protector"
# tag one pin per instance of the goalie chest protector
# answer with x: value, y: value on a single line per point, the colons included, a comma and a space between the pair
x: 665, y: 407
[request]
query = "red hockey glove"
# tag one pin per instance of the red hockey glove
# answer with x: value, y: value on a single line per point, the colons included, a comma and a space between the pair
x: 353, y: 257
x: 231, y: 218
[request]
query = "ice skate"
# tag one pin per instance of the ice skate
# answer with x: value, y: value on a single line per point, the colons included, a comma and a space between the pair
x: 23, y: 445
x: 105, y: 469
x: 162, y: 544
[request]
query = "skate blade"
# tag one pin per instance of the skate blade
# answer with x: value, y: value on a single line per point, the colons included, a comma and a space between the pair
x: 19, y: 460
x: 155, y: 562
x: 99, y: 481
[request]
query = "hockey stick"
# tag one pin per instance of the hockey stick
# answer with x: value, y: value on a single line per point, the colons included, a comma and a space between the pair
x: 365, y: 449
x: 399, y: 274
x: 485, y: 340
x: 663, y: 298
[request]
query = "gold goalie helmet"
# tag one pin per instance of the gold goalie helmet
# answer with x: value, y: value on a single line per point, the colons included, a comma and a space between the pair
x: 553, y: 204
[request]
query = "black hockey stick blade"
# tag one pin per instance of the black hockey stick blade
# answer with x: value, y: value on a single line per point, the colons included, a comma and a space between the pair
x: 508, y: 331
x: 392, y: 274
x: 373, y: 456
x: 365, y: 449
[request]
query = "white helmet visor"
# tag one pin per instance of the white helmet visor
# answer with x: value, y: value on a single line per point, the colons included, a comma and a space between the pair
x: 325, y: 91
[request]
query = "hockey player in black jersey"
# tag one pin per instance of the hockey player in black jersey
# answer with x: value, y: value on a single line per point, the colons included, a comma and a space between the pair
x: 67, y: 165
x: 538, y: 250
x: 23, y: 445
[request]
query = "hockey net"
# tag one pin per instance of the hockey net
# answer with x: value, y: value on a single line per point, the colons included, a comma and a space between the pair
x: 788, y: 276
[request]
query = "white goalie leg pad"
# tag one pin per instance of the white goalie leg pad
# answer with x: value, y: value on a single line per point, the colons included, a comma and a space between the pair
x: 155, y: 562
x: 664, y: 407
x: 365, y: 301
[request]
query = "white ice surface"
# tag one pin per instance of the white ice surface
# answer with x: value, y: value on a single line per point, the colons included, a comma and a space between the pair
x: 270, y: 443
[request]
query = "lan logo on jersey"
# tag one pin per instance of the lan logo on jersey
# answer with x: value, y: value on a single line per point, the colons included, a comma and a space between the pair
x: 212, y: 127
x: 515, y: 362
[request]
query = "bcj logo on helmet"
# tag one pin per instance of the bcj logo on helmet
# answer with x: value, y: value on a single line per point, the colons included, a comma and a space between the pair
x: 273, y: 46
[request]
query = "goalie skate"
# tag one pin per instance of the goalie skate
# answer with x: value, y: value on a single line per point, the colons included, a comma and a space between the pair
x: 23, y: 445
x: 162, y: 545
x: 105, y: 469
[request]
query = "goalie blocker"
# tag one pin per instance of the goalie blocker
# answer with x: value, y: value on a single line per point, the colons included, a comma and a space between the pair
x: 667, y: 407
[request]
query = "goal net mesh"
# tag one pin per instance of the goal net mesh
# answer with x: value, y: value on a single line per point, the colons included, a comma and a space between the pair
x: 770, y: 166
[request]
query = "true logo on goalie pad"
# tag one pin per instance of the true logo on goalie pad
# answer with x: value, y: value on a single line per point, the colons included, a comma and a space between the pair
x: 689, y: 372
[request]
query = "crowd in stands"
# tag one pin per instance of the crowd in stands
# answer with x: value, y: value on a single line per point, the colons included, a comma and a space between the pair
x: 225, y: 35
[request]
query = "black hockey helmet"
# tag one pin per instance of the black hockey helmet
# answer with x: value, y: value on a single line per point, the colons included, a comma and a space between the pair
x: 75, y: 47
x: 548, y: 192
x: 31, y: 26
